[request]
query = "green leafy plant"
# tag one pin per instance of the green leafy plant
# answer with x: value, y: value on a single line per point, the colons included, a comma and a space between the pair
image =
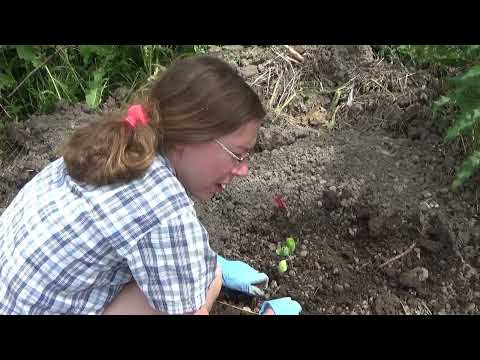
x: 460, y: 66
x: 285, y: 250
x: 465, y: 99
x: 430, y: 55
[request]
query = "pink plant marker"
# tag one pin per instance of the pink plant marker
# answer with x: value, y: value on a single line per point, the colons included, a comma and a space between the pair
x: 279, y: 202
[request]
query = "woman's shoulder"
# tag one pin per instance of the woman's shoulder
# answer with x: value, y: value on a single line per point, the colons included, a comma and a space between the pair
x: 159, y: 190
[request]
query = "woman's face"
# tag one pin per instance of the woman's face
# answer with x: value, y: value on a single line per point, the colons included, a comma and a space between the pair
x: 207, y: 168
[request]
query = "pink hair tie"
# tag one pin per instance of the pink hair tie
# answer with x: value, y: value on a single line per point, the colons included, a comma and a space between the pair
x: 135, y: 115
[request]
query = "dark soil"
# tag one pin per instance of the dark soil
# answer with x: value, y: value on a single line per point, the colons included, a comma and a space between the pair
x: 378, y: 231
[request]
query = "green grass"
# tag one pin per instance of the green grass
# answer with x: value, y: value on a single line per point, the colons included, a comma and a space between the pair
x: 33, y: 79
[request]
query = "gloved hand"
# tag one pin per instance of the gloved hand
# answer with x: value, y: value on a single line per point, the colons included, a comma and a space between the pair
x: 240, y: 276
x: 282, y: 306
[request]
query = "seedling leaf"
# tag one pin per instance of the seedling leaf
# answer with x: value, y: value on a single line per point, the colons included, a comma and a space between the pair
x: 282, y: 266
x: 283, y: 251
x: 290, y: 242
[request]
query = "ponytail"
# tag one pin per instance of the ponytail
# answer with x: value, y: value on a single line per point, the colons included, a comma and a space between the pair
x: 111, y: 150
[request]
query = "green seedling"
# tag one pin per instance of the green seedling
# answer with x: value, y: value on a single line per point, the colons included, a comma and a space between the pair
x: 285, y: 250
x: 282, y: 266
x: 290, y: 243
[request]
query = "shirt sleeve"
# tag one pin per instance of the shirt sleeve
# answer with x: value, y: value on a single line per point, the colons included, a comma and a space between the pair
x: 174, y: 265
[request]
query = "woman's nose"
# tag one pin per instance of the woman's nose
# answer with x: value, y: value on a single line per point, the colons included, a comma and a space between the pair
x: 241, y: 169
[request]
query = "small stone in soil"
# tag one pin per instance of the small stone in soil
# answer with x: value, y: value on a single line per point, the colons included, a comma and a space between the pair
x: 426, y: 194
x: 414, y: 278
x: 330, y: 200
x: 470, y: 307
x: 375, y: 226
x: 433, y: 246
x: 363, y: 213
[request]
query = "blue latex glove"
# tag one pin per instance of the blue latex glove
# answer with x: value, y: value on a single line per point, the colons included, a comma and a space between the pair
x: 282, y: 306
x: 240, y: 276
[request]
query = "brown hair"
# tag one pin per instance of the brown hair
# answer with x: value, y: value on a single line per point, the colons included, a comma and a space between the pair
x: 196, y: 100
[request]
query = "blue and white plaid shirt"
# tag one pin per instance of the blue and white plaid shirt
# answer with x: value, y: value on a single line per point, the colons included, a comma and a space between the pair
x: 68, y: 248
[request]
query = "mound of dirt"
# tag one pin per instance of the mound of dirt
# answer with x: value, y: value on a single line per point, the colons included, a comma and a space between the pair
x: 351, y: 146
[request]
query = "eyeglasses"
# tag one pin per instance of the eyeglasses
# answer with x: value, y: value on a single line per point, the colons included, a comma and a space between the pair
x: 238, y: 159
